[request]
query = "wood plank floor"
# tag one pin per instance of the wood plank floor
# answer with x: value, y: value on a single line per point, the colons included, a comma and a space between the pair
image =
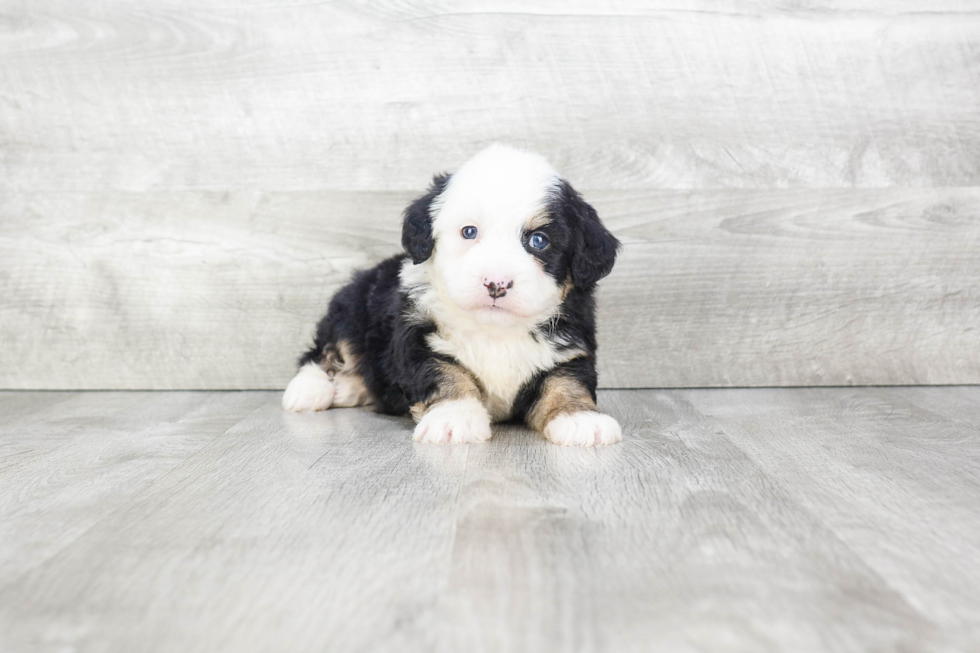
x: 832, y: 519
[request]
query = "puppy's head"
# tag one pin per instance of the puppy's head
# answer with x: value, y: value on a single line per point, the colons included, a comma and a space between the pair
x: 505, y: 237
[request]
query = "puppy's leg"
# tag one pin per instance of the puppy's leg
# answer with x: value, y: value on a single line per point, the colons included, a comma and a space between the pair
x: 350, y: 387
x: 310, y: 389
x: 351, y: 391
x: 565, y: 413
x: 454, y: 413
x: 331, y: 381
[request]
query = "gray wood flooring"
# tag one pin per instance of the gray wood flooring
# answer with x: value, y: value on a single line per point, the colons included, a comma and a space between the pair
x: 831, y: 519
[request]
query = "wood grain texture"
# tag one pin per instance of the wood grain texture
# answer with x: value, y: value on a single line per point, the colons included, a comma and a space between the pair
x: 727, y: 288
x: 16, y: 406
x: 184, y: 184
x: 914, y: 475
x: 87, y: 455
x: 728, y: 520
x: 284, y: 95
x: 794, y: 288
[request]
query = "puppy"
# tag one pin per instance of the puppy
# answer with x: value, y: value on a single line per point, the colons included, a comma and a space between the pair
x: 490, y: 315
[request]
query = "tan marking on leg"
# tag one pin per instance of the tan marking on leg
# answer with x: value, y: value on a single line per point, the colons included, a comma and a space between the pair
x: 559, y: 394
x: 455, y: 382
x: 351, y: 391
x: 340, y: 363
x: 418, y: 410
x: 339, y: 357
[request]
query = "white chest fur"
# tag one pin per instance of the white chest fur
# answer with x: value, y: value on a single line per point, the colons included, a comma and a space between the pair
x: 503, y: 361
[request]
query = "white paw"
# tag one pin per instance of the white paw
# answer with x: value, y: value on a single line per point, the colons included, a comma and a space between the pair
x: 310, y: 389
x: 583, y: 429
x: 462, y: 421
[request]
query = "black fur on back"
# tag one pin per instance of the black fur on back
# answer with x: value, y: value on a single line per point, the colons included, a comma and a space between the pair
x: 393, y: 357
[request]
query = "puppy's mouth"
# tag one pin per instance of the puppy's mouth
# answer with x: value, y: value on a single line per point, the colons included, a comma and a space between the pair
x: 496, y: 308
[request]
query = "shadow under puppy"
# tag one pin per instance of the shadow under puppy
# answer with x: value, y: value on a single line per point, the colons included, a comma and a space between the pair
x: 489, y: 316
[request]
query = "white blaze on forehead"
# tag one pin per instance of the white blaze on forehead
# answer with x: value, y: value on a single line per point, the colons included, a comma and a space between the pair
x: 499, y: 187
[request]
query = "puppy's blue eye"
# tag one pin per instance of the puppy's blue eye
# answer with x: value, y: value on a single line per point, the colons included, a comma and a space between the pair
x: 469, y: 233
x: 538, y: 240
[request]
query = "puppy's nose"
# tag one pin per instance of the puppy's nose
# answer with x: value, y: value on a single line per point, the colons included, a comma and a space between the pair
x: 498, y: 288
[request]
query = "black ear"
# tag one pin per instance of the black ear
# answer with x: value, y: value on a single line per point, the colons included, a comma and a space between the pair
x: 417, y: 226
x: 593, y: 248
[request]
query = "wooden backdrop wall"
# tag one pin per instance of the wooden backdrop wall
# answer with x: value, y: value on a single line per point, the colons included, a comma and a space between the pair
x: 184, y: 183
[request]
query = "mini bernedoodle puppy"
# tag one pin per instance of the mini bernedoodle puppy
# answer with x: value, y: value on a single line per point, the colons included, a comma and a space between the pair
x: 489, y: 316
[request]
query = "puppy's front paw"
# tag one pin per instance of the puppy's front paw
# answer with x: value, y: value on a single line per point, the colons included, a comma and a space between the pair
x: 462, y: 421
x: 583, y: 429
x: 310, y: 389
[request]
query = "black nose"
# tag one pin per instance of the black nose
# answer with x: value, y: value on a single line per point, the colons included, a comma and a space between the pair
x: 498, y: 289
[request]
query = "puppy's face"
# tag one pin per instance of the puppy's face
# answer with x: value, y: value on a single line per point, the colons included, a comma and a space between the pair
x: 506, y: 238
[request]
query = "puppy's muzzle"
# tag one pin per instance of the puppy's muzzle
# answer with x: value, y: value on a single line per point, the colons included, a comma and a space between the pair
x: 498, y: 288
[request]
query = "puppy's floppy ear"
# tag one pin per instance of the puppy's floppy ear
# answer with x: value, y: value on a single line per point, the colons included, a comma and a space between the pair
x: 593, y: 249
x: 417, y: 236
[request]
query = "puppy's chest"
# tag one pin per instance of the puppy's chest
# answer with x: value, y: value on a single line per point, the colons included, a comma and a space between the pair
x: 502, y: 363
